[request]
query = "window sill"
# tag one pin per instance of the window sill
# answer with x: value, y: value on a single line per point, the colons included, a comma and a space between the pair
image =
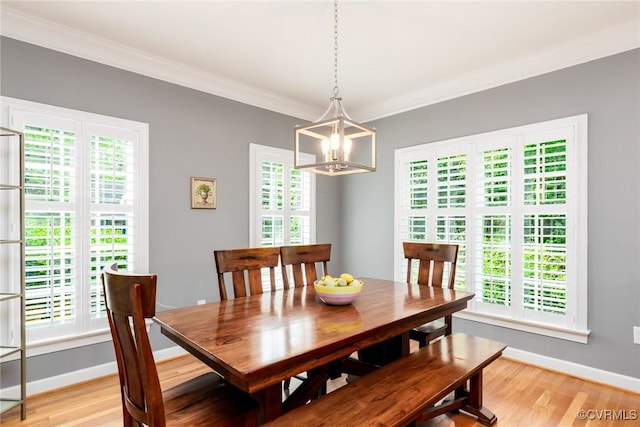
x: 576, y: 335
x: 69, y: 342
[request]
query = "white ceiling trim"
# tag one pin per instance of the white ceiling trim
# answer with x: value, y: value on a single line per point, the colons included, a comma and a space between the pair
x: 30, y: 29
x: 44, y: 33
x: 616, y: 40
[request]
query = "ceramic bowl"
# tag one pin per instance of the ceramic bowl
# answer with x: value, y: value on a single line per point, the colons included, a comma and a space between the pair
x: 338, y: 295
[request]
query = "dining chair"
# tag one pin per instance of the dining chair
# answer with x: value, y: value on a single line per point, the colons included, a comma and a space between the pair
x: 303, y: 261
x: 245, y: 266
x: 432, y: 259
x: 204, y: 400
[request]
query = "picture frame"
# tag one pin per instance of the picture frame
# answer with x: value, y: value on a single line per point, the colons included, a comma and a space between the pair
x: 203, y: 193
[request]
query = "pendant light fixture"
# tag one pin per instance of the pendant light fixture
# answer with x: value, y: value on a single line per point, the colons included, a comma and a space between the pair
x: 340, y: 145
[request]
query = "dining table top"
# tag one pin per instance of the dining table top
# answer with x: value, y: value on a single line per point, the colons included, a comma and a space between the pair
x: 257, y: 341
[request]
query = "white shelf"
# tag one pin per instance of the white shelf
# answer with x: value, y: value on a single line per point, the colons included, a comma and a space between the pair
x: 16, y: 241
x: 9, y: 295
x: 8, y: 350
x: 6, y: 404
x: 10, y: 187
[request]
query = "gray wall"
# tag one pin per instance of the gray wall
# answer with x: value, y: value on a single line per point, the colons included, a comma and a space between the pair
x: 609, y: 91
x: 191, y: 133
x: 197, y: 134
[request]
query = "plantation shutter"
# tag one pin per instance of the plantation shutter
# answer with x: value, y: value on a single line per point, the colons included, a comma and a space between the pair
x: 51, y: 223
x: 492, y: 229
x: 85, y: 193
x: 547, y: 290
x: 515, y: 202
x: 112, y: 187
x: 282, y: 202
x: 272, y: 203
x: 300, y: 207
x: 414, y: 204
x: 450, y: 214
x: 432, y: 198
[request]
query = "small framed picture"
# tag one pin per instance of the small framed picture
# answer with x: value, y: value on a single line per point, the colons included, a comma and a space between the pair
x: 203, y: 193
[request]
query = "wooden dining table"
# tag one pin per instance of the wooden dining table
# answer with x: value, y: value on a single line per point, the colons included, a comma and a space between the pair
x: 256, y: 342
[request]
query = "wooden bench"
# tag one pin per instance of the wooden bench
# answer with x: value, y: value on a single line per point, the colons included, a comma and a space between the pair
x: 408, y: 390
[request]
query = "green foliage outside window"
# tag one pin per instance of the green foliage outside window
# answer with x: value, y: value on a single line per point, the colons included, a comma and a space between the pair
x: 51, y: 270
x: 544, y: 245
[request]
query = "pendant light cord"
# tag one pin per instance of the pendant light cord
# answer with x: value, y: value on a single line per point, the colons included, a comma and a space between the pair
x: 336, y: 91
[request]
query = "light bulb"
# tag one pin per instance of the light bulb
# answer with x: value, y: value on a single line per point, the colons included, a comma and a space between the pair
x: 325, y: 146
x: 347, y: 149
x: 325, y: 149
x: 335, y: 141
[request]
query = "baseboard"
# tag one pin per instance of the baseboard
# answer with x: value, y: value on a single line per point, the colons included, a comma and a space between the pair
x: 58, y: 381
x: 569, y: 368
x: 575, y: 369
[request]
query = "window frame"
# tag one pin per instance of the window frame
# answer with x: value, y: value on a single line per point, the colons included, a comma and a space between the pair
x: 573, y: 325
x: 257, y: 154
x: 87, y: 330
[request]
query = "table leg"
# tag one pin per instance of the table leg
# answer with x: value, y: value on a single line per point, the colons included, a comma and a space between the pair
x: 270, y: 400
x: 309, y: 389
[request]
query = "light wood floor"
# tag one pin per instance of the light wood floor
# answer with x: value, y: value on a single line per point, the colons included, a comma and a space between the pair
x: 519, y: 394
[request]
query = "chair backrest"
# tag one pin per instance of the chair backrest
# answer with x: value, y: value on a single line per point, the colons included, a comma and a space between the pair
x: 249, y: 261
x: 432, y: 258
x: 129, y: 299
x: 304, y: 258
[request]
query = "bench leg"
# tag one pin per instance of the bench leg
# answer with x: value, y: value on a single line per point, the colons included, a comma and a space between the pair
x: 474, y: 402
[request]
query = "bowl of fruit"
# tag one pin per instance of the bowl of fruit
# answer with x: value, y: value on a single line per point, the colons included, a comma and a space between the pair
x: 341, y: 290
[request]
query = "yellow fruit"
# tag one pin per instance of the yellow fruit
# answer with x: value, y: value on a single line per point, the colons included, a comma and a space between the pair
x: 347, y: 277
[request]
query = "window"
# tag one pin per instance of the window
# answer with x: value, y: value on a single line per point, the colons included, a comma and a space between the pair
x: 85, y: 207
x: 515, y: 201
x: 282, y: 199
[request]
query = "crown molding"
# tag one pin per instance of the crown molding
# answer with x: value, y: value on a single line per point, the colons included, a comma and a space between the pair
x: 618, y: 39
x: 30, y: 29
x: 46, y: 34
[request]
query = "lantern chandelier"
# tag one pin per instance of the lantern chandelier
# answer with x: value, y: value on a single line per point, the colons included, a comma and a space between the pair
x: 337, y: 144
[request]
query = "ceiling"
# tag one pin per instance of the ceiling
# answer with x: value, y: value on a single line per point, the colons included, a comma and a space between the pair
x: 393, y: 56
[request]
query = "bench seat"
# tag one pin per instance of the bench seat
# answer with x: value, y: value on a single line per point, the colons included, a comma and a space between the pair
x: 408, y: 390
